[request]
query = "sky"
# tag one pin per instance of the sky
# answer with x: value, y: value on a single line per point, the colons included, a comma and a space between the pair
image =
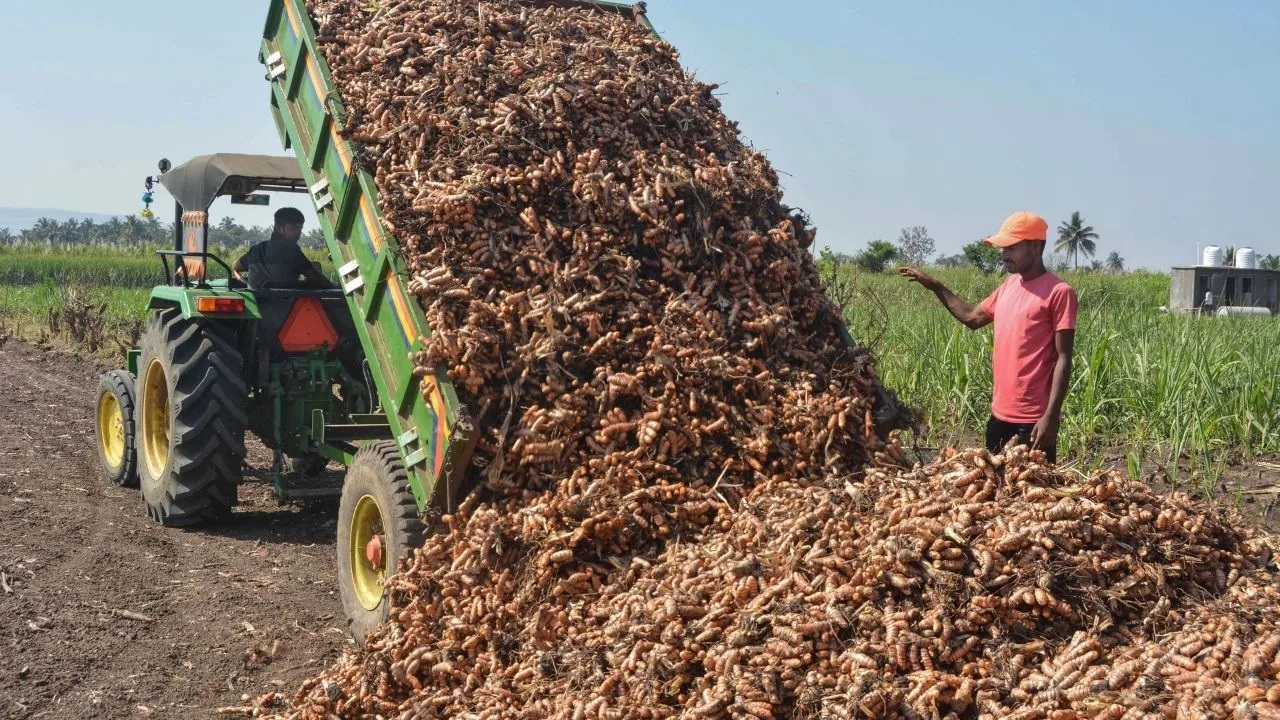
x: 1158, y: 121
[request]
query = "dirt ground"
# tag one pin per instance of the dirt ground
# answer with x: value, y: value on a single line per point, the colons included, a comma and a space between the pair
x: 104, y: 614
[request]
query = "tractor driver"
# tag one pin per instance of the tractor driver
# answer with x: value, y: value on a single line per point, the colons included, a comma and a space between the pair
x: 279, y: 262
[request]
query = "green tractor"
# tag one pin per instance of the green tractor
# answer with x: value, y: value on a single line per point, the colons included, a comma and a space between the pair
x: 218, y: 359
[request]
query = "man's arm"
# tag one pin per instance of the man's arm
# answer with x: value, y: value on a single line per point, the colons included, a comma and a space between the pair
x: 239, y: 266
x: 972, y: 316
x: 1045, y: 432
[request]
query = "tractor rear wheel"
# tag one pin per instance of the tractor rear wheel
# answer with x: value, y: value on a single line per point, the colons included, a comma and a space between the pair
x: 191, y: 420
x: 116, y: 419
x: 378, y: 525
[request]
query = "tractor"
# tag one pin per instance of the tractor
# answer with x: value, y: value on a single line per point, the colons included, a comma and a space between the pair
x: 218, y: 359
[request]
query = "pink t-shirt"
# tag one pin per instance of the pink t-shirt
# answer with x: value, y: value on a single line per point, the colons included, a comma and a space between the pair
x: 1027, y: 314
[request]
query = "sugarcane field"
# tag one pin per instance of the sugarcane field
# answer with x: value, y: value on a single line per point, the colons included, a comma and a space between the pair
x: 516, y: 364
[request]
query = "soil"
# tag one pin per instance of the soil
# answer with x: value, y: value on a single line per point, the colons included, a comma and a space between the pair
x: 1250, y: 485
x: 103, y: 613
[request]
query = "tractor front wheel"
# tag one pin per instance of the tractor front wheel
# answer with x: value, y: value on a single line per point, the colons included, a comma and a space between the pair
x: 116, y: 418
x: 378, y: 525
x: 191, y: 420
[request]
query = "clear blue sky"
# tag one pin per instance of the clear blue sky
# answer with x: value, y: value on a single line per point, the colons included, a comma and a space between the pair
x: 1160, y: 121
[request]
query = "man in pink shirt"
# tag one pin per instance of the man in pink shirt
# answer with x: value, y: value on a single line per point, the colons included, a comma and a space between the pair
x: 1035, y: 319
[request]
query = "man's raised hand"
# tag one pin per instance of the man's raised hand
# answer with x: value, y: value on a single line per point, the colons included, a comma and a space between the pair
x: 918, y: 276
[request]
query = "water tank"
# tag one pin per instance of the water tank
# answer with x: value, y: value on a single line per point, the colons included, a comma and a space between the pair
x: 1212, y: 256
x: 1246, y: 258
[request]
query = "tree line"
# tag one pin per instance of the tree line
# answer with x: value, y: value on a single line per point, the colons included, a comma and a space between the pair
x: 1075, y: 239
x: 915, y: 247
x: 134, y: 233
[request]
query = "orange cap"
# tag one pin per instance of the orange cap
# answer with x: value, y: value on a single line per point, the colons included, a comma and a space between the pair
x: 1019, y: 227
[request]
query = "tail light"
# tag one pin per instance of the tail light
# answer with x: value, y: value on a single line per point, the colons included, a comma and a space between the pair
x: 209, y: 304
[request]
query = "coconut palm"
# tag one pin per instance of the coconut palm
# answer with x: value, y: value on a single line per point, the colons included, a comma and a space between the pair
x: 1115, y: 263
x: 1074, y: 237
x: 45, y: 230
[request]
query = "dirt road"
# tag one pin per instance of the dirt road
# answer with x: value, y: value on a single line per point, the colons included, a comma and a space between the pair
x: 104, y: 614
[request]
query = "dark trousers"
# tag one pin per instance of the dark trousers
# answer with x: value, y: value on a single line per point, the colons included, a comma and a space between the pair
x: 1000, y: 433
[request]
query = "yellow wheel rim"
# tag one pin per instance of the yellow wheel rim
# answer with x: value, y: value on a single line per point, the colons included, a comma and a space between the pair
x: 111, y: 430
x: 155, y: 419
x: 366, y: 577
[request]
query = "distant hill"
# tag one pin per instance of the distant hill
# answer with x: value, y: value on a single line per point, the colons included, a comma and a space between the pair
x: 18, y: 219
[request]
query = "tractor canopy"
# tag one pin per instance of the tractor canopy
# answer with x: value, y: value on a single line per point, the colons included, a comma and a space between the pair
x: 196, y: 183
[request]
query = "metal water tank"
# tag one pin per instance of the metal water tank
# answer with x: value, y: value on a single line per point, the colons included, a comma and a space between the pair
x: 1212, y: 256
x: 1246, y: 258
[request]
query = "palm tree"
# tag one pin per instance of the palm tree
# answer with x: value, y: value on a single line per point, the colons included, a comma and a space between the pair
x: 45, y: 230
x: 1074, y: 237
x: 113, y: 231
x: 69, y: 232
x: 157, y: 233
x: 1115, y: 263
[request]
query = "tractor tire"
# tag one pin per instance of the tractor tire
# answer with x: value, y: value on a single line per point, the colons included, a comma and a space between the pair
x: 117, y: 416
x: 191, y: 420
x: 378, y: 525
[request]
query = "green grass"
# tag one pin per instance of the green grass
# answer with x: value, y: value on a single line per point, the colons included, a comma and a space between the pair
x: 36, y: 282
x: 102, y: 268
x: 106, y: 269
x: 28, y: 311
x: 1156, y: 385
x: 35, y: 301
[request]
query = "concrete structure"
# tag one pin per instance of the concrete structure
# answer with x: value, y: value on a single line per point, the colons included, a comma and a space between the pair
x: 1231, y: 287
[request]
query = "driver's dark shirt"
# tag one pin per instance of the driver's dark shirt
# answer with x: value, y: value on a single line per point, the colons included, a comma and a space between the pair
x: 275, y: 263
